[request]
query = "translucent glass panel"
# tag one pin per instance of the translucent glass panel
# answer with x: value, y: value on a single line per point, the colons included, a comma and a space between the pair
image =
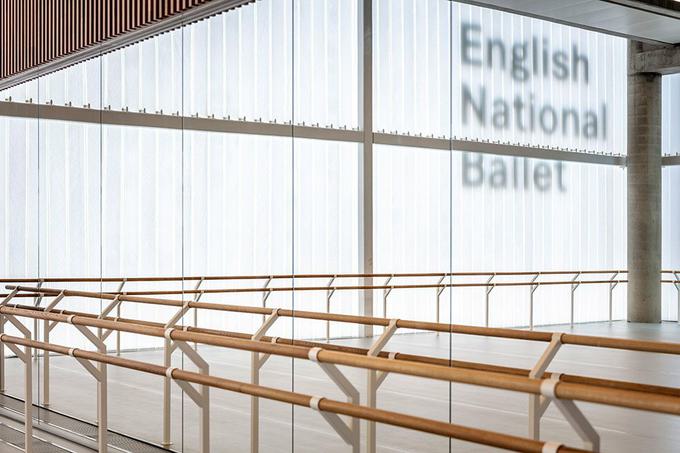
x: 69, y: 199
x: 670, y: 250
x: 670, y: 115
x: 412, y: 213
x: 412, y: 225
x: 519, y: 79
x: 326, y: 56
x: 412, y: 66
x: 20, y: 93
x: 326, y: 228
x: 452, y: 69
x: 141, y: 193
x: 670, y: 144
x: 237, y: 217
x: 238, y: 64
x: 78, y: 85
x: 505, y: 214
x: 146, y: 76
x: 517, y: 214
x: 19, y: 198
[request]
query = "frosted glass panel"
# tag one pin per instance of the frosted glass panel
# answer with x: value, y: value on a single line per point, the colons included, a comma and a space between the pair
x: 411, y: 66
x: 670, y: 115
x: 18, y: 198
x: 141, y: 199
x: 326, y: 229
x: 141, y: 213
x: 670, y: 250
x: 238, y: 64
x: 507, y: 214
x: 237, y: 218
x: 517, y: 214
x: 69, y: 199
x: 519, y: 79
x: 78, y: 85
x: 326, y: 57
x: 670, y: 209
x: 412, y: 223
x: 145, y: 76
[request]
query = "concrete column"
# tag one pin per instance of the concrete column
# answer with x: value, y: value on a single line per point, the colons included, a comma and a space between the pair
x: 644, y: 193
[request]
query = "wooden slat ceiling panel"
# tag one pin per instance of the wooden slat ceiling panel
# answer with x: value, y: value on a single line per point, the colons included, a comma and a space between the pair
x: 33, y: 32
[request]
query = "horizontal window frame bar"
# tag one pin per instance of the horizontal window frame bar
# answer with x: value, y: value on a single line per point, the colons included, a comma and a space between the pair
x: 193, y: 123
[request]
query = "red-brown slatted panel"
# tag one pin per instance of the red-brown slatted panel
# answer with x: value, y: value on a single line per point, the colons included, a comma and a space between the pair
x: 34, y: 32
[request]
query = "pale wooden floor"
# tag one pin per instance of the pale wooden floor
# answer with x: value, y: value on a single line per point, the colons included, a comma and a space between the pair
x: 136, y: 399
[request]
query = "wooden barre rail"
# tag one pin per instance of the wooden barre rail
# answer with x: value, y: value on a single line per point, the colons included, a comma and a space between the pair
x: 460, y: 432
x: 306, y: 276
x: 562, y: 390
x: 623, y: 385
x: 573, y: 339
x: 273, y: 289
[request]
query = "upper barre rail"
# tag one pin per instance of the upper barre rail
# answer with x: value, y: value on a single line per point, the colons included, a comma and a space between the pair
x: 575, y: 339
x: 311, y: 276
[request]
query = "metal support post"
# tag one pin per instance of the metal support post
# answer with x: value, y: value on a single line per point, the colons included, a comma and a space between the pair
x: 257, y: 360
x: 574, y: 285
x: 2, y: 355
x: 489, y: 288
x: 24, y: 356
x: 374, y: 381
x: 120, y: 291
x: 36, y: 303
x: 47, y: 328
x: 329, y: 293
x: 538, y: 404
x: 573, y: 415
x: 386, y: 292
x: 532, y: 289
x: 167, y: 362
x: 350, y: 434
x: 440, y: 290
x: 265, y: 295
x: 102, y: 388
x: 3, y: 320
x: 612, y: 285
x: 200, y: 397
x: 99, y: 373
x: 197, y: 297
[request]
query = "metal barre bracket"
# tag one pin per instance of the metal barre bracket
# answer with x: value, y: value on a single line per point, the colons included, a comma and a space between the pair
x: 350, y: 434
x: 375, y: 379
x: 538, y: 404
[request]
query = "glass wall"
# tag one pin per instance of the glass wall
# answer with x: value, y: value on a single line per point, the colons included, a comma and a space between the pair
x: 670, y: 145
x: 231, y: 147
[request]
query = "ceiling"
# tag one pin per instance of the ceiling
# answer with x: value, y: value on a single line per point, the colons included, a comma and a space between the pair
x: 649, y: 20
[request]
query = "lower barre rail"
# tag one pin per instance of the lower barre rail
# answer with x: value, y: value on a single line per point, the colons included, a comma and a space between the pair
x: 324, y: 405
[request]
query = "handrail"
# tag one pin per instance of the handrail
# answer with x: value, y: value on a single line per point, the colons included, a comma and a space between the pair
x: 562, y: 390
x: 451, y: 430
x: 627, y: 390
x: 574, y: 339
x: 305, y: 276
x: 623, y: 385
